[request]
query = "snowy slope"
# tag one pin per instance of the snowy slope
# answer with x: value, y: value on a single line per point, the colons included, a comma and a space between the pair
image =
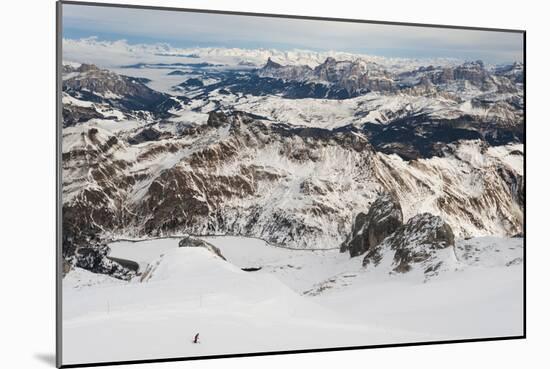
x: 193, y: 291
x: 298, y: 300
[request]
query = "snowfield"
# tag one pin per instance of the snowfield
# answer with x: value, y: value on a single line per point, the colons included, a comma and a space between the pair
x: 297, y: 300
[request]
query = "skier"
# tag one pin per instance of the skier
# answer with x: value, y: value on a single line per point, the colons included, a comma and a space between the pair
x: 196, y: 339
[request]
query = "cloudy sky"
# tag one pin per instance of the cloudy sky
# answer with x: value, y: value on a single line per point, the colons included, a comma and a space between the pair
x: 183, y: 29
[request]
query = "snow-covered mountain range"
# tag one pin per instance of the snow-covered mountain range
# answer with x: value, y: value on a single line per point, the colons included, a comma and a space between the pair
x: 286, y: 146
x: 282, y: 200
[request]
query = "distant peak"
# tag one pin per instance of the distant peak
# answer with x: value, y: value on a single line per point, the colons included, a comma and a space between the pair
x: 271, y: 64
x: 474, y: 64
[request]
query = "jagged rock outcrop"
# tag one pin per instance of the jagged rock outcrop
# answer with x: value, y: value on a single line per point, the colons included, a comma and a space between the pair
x: 94, y: 258
x: 216, y: 119
x: 145, y: 135
x: 465, y: 76
x: 352, y: 78
x: 515, y: 183
x: 288, y: 72
x: 189, y: 241
x: 356, y: 77
x: 514, y: 72
x: 270, y: 64
x: 417, y: 242
x: 383, y: 218
x: 72, y: 114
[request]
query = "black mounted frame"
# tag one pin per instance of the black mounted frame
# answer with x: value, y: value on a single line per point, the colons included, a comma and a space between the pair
x: 59, y: 56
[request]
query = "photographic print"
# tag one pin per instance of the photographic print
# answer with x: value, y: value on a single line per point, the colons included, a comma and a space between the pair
x: 237, y: 184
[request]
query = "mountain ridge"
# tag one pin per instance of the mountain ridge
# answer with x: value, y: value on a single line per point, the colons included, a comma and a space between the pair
x: 137, y: 170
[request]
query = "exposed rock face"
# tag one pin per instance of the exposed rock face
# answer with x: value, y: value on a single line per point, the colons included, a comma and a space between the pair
x: 78, y: 114
x: 66, y: 267
x: 288, y: 72
x: 351, y: 78
x: 416, y: 242
x: 216, y: 119
x: 514, y: 72
x: 356, y: 77
x: 232, y: 177
x: 384, y: 217
x: 515, y: 183
x: 197, y: 242
x: 466, y: 75
x: 94, y: 258
x: 145, y: 135
x: 381, y: 234
x: 272, y: 65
